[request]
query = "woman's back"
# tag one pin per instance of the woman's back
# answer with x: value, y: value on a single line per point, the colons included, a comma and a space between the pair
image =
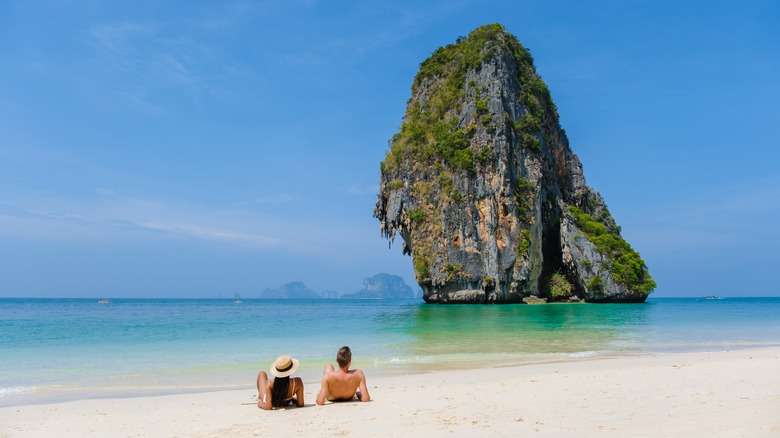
x: 283, y: 390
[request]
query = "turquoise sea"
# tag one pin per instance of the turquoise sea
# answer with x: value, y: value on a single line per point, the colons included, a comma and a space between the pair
x: 67, y: 349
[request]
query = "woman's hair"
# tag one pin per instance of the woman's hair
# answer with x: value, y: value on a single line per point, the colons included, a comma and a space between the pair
x: 279, y: 393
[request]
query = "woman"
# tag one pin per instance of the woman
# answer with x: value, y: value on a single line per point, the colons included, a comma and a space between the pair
x: 283, y: 390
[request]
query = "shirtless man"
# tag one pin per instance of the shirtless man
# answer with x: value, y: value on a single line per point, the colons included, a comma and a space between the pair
x: 343, y: 384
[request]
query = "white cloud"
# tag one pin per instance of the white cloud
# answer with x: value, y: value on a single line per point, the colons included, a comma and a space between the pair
x: 209, y: 233
x: 140, y: 59
x: 112, y: 218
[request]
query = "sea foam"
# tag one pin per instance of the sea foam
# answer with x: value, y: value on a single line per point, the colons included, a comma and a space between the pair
x: 583, y: 354
x: 15, y: 390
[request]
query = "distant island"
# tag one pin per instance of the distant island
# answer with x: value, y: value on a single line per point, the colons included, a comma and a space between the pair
x: 383, y: 287
x: 378, y: 287
x: 291, y: 291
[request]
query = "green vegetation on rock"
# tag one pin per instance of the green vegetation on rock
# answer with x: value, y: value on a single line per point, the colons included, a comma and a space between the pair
x: 559, y: 287
x: 595, y: 284
x: 452, y: 271
x: 422, y: 262
x: 416, y: 216
x: 525, y: 243
x: 523, y: 198
x: 626, y: 266
x: 395, y: 184
x: 430, y: 132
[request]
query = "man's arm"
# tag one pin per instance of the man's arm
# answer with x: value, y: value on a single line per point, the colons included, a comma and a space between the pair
x: 323, y: 394
x: 364, y: 395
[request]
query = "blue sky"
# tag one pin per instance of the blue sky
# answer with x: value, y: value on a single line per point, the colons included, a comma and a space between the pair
x: 198, y: 149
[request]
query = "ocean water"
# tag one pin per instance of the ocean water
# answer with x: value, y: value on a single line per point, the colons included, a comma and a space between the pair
x: 67, y: 349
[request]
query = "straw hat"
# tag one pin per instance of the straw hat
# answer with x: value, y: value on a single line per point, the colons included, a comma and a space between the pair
x: 284, y: 366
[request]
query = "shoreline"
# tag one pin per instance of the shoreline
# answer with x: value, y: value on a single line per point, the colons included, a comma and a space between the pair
x: 64, y: 393
x: 38, y: 395
x: 59, y: 394
x: 724, y: 393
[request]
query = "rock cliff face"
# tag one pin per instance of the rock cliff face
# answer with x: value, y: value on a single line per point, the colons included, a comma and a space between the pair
x: 487, y: 195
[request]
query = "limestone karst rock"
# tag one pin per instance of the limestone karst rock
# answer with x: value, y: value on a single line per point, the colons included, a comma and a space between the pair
x: 486, y: 194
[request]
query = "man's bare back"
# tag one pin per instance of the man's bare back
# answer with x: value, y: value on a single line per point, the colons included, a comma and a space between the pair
x: 343, y: 384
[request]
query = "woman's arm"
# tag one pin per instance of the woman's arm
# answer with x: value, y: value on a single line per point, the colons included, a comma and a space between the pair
x: 263, y: 391
x: 268, y: 397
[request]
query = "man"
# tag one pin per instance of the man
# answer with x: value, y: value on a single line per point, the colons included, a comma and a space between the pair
x: 342, y: 384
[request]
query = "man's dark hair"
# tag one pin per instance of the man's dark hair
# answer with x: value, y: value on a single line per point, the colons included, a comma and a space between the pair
x: 344, y: 356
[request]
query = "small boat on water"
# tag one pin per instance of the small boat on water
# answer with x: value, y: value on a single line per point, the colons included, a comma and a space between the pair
x: 237, y: 301
x: 710, y: 297
x: 104, y: 301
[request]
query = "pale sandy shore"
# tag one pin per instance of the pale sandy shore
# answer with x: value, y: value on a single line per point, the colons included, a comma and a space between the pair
x: 720, y: 394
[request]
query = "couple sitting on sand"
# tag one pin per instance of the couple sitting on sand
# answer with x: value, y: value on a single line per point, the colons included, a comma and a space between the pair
x: 341, y: 385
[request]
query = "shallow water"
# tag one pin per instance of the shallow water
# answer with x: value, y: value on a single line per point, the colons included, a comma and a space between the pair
x: 61, y: 349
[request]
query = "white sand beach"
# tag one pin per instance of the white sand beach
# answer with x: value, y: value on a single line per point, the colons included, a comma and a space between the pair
x: 714, y: 394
